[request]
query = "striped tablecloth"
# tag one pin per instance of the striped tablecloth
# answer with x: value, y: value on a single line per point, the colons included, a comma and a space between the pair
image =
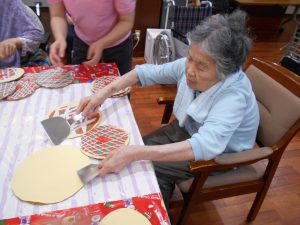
x: 21, y: 134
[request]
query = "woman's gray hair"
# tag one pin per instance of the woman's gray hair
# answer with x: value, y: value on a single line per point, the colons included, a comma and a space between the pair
x: 225, y: 38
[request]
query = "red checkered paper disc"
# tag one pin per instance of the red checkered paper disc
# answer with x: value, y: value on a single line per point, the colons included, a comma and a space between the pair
x: 54, y: 78
x: 10, y: 74
x: 7, y: 89
x: 78, y: 128
x: 101, y: 82
x: 23, y: 89
x: 101, y: 141
x: 31, y: 77
x: 121, y: 93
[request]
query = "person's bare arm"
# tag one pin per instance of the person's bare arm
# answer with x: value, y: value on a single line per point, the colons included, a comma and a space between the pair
x: 59, y: 30
x: 180, y: 151
x: 58, y: 20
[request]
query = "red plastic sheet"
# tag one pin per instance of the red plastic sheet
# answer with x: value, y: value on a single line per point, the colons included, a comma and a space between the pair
x: 83, y: 73
x: 151, y: 206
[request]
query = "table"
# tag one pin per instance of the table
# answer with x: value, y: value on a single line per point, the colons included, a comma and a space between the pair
x: 21, y: 134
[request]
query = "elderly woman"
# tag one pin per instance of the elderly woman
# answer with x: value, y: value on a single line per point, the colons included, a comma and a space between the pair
x: 20, y: 33
x: 215, y: 108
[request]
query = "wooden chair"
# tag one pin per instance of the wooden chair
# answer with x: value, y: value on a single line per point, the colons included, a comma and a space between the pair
x: 278, y: 95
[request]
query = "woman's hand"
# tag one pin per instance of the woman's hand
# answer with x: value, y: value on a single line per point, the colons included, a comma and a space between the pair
x: 121, y: 157
x: 94, y: 53
x: 117, y: 160
x: 57, y: 52
x: 88, y: 105
x: 8, y: 47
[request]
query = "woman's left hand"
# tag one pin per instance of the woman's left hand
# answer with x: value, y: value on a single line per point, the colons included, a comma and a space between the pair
x: 117, y: 160
x: 94, y: 53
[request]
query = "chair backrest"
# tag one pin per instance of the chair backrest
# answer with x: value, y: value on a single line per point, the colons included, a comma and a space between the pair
x: 277, y: 91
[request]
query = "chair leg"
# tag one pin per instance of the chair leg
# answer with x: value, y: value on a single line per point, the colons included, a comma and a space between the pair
x: 190, y: 198
x: 260, y: 196
x: 167, y: 114
x: 184, y: 213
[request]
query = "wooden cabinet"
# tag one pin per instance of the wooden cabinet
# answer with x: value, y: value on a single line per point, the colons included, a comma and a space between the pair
x: 147, y: 15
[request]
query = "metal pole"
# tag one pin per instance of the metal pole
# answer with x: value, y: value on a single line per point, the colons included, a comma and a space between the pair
x: 169, y: 4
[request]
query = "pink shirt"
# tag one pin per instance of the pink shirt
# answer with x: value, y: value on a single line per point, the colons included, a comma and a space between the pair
x: 93, y: 19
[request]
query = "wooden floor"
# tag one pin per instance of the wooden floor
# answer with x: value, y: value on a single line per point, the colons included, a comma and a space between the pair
x: 282, y: 204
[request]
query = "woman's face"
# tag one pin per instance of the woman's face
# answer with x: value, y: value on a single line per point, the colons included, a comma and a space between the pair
x: 201, y: 70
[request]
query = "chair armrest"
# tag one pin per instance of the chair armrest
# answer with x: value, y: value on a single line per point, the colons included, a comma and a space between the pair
x: 244, y: 156
x: 168, y: 102
x: 231, y: 160
x: 165, y: 100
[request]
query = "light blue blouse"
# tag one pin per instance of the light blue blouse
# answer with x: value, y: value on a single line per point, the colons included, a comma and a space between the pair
x: 231, y: 120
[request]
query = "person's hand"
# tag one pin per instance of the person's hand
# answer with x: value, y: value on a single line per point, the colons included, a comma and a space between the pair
x: 57, y: 52
x: 117, y: 160
x: 88, y: 105
x: 7, y: 48
x: 69, y: 19
x: 94, y: 54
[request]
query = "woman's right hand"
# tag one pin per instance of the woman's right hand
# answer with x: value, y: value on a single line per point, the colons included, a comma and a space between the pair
x: 8, y: 47
x: 89, y: 105
x: 57, y: 52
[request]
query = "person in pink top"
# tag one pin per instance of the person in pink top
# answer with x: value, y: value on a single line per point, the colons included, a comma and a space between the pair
x: 102, y: 31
